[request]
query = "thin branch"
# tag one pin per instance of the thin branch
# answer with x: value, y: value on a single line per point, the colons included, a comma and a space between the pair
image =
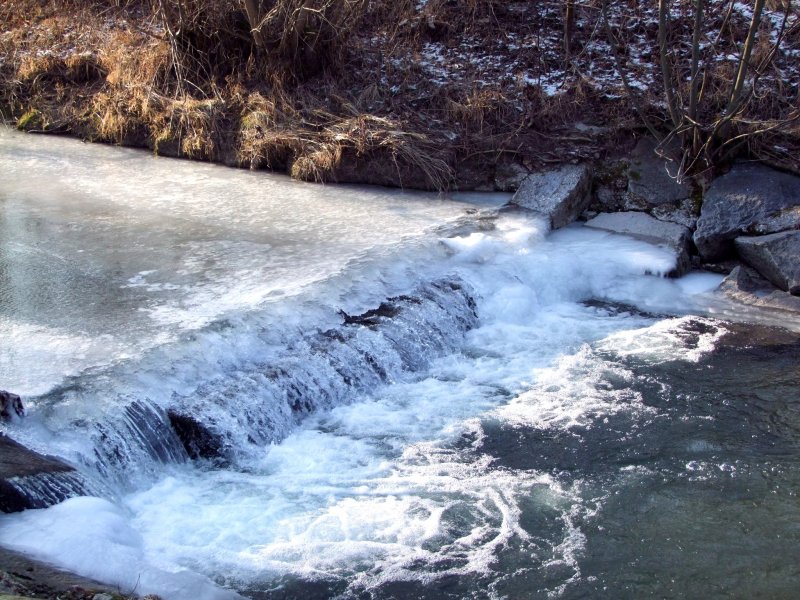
x: 666, y: 64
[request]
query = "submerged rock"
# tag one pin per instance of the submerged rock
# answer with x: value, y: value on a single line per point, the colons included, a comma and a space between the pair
x: 746, y: 286
x: 646, y: 228
x: 749, y: 200
x: 561, y: 194
x: 775, y: 256
x: 198, y: 438
x: 32, y: 480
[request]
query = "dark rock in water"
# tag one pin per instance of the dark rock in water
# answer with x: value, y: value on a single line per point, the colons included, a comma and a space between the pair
x: 723, y: 267
x: 644, y: 227
x: 561, y: 194
x: 31, y: 480
x: 747, y: 287
x: 775, y: 256
x: 10, y: 404
x: 749, y: 200
x: 198, y: 438
x: 373, y: 317
x: 649, y: 179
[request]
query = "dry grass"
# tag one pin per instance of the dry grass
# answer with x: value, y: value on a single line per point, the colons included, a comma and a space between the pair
x: 267, y: 136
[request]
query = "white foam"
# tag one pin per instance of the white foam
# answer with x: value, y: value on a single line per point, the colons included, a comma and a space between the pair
x: 687, y: 339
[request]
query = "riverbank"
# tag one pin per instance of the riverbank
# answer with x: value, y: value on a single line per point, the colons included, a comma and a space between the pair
x: 432, y: 95
x: 22, y: 576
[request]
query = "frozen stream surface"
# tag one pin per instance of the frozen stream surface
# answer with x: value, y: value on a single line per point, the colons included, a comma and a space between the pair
x: 281, y: 390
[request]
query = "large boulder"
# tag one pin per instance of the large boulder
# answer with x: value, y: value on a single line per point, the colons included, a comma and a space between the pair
x: 32, y: 480
x: 561, y: 194
x: 646, y: 228
x: 651, y: 180
x: 749, y: 200
x: 775, y: 256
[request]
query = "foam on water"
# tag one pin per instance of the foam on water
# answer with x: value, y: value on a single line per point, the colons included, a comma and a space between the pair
x: 381, y: 489
x: 93, y: 537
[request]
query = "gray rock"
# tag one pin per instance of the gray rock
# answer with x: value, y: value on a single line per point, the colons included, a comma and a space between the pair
x: 644, y: 227
x: 749, y: 200
x: 775, y: 256
x: 561, y: 194
x: 25, y: 576
x: 608, y: 198
x: 650, y: 179
x: 746, y: 286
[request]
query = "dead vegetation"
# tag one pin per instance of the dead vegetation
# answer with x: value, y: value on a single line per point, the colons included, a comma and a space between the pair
x: 428, y: 94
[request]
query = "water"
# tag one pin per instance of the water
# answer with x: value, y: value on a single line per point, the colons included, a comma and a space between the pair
x: 388, y: 395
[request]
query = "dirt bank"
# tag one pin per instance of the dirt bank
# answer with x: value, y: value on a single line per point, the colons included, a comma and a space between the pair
x: 429, y: 94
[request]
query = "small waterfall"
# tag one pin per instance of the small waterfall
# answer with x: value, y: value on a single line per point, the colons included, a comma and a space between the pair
x: 139, y: 436
x: 261, y: 403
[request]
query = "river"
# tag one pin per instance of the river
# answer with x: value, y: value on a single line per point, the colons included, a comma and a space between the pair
x: 281, y: 390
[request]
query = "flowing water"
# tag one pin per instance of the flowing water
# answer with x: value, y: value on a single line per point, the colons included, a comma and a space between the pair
x: 278, y: 390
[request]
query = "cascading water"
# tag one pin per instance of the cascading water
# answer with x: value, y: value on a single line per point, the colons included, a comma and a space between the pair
x: 297, y: 391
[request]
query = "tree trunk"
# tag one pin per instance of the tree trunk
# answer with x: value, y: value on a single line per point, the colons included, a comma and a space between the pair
x: 253, y: 10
